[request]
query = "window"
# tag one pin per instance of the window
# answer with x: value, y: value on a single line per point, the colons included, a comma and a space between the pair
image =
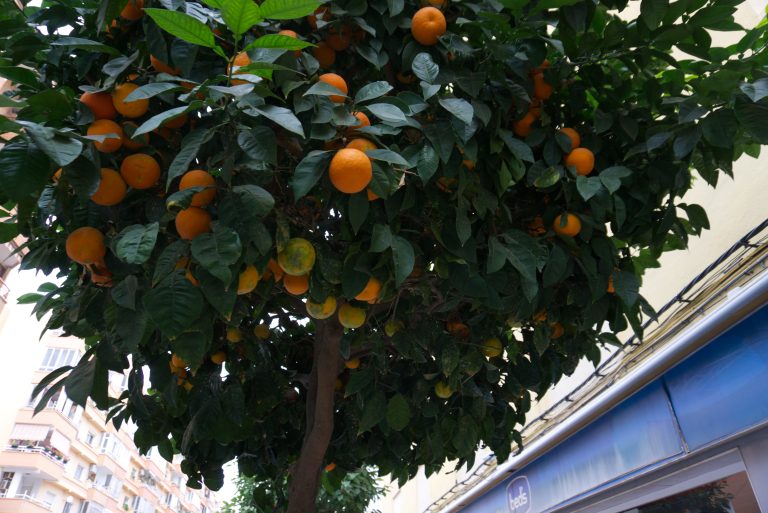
x: 78, y: 474
x: 90, y: 437
x: 50, y: 498
x: 5, y: 482
x: 67, y: 507
x: 57, y: 357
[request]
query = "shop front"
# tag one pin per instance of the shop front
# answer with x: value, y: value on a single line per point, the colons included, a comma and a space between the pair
x: 693, y: 439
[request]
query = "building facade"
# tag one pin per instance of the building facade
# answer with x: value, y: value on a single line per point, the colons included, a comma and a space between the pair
x: 69, y: 459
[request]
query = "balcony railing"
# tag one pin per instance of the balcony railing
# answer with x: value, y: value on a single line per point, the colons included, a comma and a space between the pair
x: 26, y: 497
x: 4, y: 291
x: 48, y: 453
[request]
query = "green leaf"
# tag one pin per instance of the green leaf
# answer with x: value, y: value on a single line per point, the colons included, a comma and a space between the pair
x: 62, y: 150
x: 611, y: 177
x: 404, y: 259
x: 387, y: 112
x: 191, y: 345
x: 548, y: 178
x: 388, y: 156
x: 240, y: 15
x: 174, y: 304
x: 653, y: 11
x: 518, y: 148
x: 288, y: 9
x: 588, y: 186
x: 756, y: 90
x: 79, y: 384
x: 48, y: 379
x: 217, y: 251
x: 752, y: 117
x: 523, y: 253
x: 308, y: 172
x: 151, y: 90
x: 84, y: 44
x: 398, y: 412
x: 543, y: 5
x: 124, y: 293
x: 358, y: 381
x: 183, y: 26
x: 374, y: 412
x: 324, y: 89
x: 427, y: 162
x: 278, y: 41
x: 222, y: 296
x: 24, y: 170
x: 372, y: 91
x: 459, y: 108
x: 425, y: 68
x: 21, y: 76
x: 190, y: 146
x: 719, y: 128
x: 283, y: 117
x: 381, y: 238
x: 135, y: 243
x: 627, y: 287
x: 358, y: 210
x: 257, y: 201
x: 259, y: 143
x: 686, y: 141
x: 158, y: 119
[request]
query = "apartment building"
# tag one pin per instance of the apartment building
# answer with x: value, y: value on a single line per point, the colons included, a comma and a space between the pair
x: 69, y: 459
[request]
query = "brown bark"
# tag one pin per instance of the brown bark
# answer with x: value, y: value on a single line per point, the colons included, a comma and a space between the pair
x: 305, y: 477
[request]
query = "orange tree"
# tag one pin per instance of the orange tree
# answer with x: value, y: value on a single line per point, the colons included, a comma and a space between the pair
x: 357, y: 232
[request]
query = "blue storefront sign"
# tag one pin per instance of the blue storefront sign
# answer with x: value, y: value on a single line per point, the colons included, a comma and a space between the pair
x: 715, y: 393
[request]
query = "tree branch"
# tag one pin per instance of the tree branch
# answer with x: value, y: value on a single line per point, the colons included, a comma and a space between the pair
x: 320, y: 407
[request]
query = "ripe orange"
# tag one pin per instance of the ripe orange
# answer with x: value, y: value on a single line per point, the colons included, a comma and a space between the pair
x: 192, y: 222
x: 446, y: 184
x: 133, y: 10
x: 219, y: 357
x: 178, y: 362
x: 351, y: 170
x: 199, y: 178
x: 176, y: 121
x: 162, y: 67
x: 134, y: 109
x: 372, y: 196
x: 557, y: 330
x: 296, y: 285
x: 297, y: 257
x: 57, y: 176
x: 337, y: 82
x: 427, y: 25
x: 371, y: 291
x: 247, y: 280
x: 350, y: 316
x: 582, y: 159
x: 352, y: 363
x: 101, y: 276
x: 434, y: 3
x: 610, y: 289
x: 111, y: 189
x: 291, y: 33
x: 406, y: 77
x: 129, y: 127
x: 331, y: 466
x: 541, y: 89
x: 321, y: 310
x: 339, y: 40
x: 140, y: 171
x: 540, y: 316
x: 273, y: 270
x: 240, y: 60
x: 573, y: 135
x: 522, y: 128
x: 261, y: 331
x: 457, y: 328
x: 86, y: 246
x: 362, y: 118
x: 324, y: 13
x: 572, y: 225
x: 234, y: 335
x: 361, y: 144
x: 100, y: 104
x: 324, y: 54
x: 469, y: 164
x: 536, y: 227
x: 104, y: 127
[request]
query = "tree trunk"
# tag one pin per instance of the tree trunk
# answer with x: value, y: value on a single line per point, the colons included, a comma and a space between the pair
x: 305, y: 477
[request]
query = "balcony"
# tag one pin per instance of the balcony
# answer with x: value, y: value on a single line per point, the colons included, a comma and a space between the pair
x: 39, y: 458
x: 101, y: 495
x: 22, y: 503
